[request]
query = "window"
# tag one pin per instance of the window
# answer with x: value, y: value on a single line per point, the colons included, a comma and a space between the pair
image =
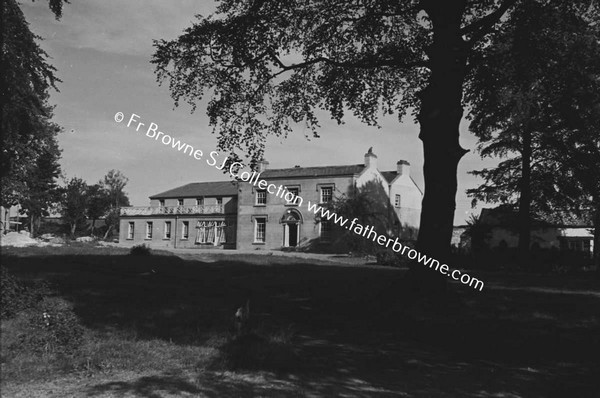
x: 149, y: 230
x: 212, y: 232
x: 260, y: 229
x: 261, y: 198
x: 161, y: 203
x: 220, y: 237
x: 219, y: 201
x: 577, y: 244
x: 185, y: 230
x: 325, y: 232
x: 293, y: 191
x: 206, y: 232
x: 130, y: 230
x: 397, y: 201
x: 199, y: 201
x: 326, y: 194
x: 167, y: 230
x: 179, y: 202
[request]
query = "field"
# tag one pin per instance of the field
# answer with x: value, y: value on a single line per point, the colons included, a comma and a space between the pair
x: 161, y: 326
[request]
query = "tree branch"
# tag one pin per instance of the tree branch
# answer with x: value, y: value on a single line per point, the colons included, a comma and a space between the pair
x: 480, y: 28
x: 363, y: 63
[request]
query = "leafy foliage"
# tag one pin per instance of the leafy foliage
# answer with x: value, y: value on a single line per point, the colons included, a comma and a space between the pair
x: 542, y: 115
x: 370, y: 205
x: 41, y: 189
x: 516, y: 95
x: 27, y: 132
x: 16, y: 296
x: 113, y: 184
x: 74, y: 203
x: 478, y: 232
x: 140, y: 250
x: 98, y: 203
x: 269, y: 65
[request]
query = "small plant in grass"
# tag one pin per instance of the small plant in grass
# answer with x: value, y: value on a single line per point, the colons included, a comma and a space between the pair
x: 140, y: 250
x: 258, y: 350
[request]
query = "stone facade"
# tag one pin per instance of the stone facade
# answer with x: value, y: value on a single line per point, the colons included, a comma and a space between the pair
x: 201, y: 215
x: 286, y: 224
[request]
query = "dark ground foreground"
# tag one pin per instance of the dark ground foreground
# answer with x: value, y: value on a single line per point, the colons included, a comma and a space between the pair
x: 158, y: 326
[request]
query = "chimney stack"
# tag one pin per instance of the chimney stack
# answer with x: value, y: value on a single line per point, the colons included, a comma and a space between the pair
x: 370, y: 159
x: 403, y: 167
x: 262, y: 165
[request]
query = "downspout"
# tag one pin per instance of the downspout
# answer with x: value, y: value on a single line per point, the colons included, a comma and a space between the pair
x: 175, y: 234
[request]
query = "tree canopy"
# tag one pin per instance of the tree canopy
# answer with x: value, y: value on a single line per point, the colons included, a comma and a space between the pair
x: 269, y: 64
x: 533, y: 106
x: 26, y: 131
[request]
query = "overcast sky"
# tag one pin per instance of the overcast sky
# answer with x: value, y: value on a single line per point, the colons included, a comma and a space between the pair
x: 102, y: 50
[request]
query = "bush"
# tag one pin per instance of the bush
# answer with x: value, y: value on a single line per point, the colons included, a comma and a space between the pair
x: 140, y: 250
x: 16, y: 296
x: 386, y: 256
x: 51, y: 327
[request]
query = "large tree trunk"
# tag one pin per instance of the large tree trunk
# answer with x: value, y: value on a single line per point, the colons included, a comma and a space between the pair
x: 525, y: 199
x: 4, y: 170
x: 439, y: 117
x: 596, y: 254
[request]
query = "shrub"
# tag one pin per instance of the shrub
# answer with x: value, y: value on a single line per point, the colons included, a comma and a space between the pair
x: 16, y: 296
x: 52, y: 327
x: 387, y: 257
x: 140, y: 250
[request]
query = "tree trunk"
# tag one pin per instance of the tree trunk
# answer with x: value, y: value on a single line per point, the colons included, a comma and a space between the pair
x: 596, y: 254
x: 73, y: 229
x: 525, y: 200
x: 439, y: 118
x: 4, y: 170
x: 92, y: 227
x: 108, y: 231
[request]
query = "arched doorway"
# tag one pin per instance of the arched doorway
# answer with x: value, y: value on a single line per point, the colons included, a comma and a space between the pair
x: 291, y: 221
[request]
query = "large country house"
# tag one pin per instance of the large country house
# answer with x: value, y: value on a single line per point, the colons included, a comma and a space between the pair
x: 236, y: 214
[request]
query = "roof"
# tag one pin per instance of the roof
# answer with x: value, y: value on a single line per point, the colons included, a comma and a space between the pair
x: 506, y: 217
x: 320, y: 171
x: 196, y: 189
x: 391, y: 175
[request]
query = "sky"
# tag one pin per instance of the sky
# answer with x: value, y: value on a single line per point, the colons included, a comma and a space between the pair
x: 102, y: 51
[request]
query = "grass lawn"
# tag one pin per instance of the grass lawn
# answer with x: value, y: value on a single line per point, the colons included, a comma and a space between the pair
x: 160, y: 326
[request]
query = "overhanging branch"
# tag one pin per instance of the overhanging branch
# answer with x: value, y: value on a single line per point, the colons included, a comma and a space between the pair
x: 363, y: 63
x: 480, y: 28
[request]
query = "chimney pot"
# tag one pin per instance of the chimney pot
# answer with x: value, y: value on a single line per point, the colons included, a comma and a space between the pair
x: 262, y: 165
x: 403, y: 167
x: 370, y: 159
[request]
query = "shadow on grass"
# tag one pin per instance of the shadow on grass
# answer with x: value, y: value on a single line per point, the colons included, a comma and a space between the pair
x: 348, y: 338
x: 148, y: 387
